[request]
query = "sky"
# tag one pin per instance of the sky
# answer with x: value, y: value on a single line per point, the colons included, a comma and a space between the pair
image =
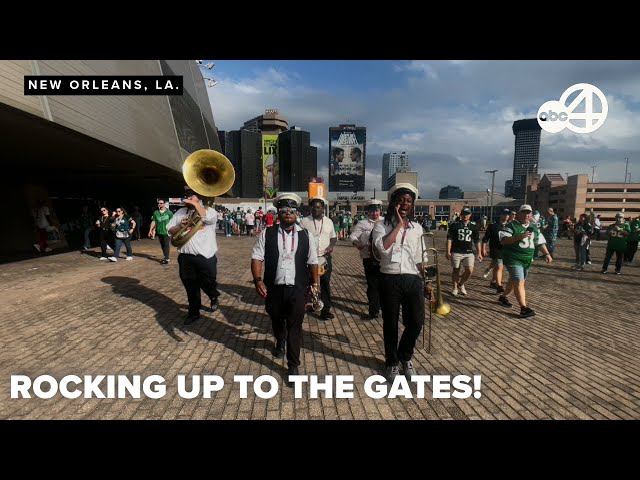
x: 453, y: 118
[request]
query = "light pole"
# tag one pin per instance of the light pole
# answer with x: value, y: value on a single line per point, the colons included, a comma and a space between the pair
x: 626, y: 169
x: 493, y: 182
x: 593, y: 172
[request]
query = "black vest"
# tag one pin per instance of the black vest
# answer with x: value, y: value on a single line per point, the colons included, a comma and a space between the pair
x: 272, y: 256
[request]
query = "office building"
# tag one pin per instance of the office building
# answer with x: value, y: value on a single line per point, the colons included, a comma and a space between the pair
x: 450, y: 192
x: 526, y: 154
x: 297, y: 158
x: 403, y: 175
x: 391, y: 162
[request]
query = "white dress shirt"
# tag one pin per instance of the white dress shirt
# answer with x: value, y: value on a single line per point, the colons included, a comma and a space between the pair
x: 362, y: 231
x: 286, y: 240
x: 204, y: 242
x: 321, y: 230
x: 408, y: 251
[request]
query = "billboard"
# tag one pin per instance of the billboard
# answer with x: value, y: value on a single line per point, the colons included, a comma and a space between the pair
x: 347, y: 152
x: 270, y: 166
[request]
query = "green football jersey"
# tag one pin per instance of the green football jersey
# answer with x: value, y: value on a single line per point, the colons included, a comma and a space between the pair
x: 616, y: 240
x: 520, y: 253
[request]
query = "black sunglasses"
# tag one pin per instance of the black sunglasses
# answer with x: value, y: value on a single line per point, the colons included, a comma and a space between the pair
x: 286, y: 210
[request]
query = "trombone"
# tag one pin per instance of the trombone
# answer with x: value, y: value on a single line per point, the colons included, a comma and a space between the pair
x: 428, y: 272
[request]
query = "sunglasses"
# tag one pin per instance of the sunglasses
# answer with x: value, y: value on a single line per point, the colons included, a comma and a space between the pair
x: 286, y: 210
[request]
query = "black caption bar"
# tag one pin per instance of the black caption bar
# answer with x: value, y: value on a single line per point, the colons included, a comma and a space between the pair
x: 102, y: 85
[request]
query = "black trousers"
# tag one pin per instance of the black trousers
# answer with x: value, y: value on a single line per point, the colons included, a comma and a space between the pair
x: 106, y: 237
x: 632, y: 248
x: 325, y: 287
x: 165, y: 243
x: 198, y: 273
x: 607, y: 258
x: 285, y: 306
x: 407, y: 291
x: 373, y: 276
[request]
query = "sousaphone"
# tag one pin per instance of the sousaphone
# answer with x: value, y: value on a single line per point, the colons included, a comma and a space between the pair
x: 209, y: 174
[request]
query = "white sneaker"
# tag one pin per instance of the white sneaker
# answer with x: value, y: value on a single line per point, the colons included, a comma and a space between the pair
x: 463, y: 290
x: 487, y: 273
x: 48, y: 249
x: 103, y: 258
x: 454, y: 292
x: 37, y: 247
x: 129, y: 258
x: 113, y: 259
x: 109, y: 249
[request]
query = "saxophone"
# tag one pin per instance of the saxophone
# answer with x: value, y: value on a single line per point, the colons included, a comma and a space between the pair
x: 316, y: 303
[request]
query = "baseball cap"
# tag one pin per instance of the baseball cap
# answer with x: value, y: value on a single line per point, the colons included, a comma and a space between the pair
x: 525, y: 208
x: 312, y: 199
x: 506, y: 211
x: 619, y: 214
x: 465, y: 211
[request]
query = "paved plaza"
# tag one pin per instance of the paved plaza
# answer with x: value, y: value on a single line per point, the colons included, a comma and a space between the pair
x: 71, y: 314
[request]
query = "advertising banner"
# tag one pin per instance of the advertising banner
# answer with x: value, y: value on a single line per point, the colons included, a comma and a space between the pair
x: 270, y: 166
x: 347, y: 159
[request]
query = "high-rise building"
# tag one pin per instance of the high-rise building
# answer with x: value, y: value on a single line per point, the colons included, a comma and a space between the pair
x: 347, y: 158
x: 297, y: 158
x: 450, y: 192
x: 244, y: 150
x: 390, y: 163
x: 526, y: 154
x: 508, y: 188
x: 403, y: 175
x: 271, y: 123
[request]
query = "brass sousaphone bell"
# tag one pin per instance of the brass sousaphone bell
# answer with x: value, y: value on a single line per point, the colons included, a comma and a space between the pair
x: 209, y: 174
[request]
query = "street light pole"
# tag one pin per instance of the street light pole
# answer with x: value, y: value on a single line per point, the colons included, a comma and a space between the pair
x: 493, y: 183
x: 626, y: 169
x: 593, y: 172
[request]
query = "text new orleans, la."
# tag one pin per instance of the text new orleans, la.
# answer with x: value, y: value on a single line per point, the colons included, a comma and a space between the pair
x: 102, y: 85
x: 264, y: 386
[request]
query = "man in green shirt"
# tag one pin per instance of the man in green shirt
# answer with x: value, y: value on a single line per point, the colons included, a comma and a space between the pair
x: 632, y: 243
x: 159, y: 221
x: 519, y: 239
x: 618, y: 234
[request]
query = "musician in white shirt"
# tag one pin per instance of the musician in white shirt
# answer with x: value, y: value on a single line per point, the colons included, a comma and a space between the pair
x: 322, y: 231
x: 197, y: 258
x: 399, y: 243
x: 360, y: 237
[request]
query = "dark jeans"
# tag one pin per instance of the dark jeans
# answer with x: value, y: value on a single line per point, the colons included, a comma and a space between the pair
x: 285, y: 306
x: 597, y: 233
x: 373, y: 275
x: 165, y: 243
x: 607, y: 259
x: 198, y: 273
x: 127, y: 244
x: 407, y: 291
x: 632, y: 248
x: 325, y: 287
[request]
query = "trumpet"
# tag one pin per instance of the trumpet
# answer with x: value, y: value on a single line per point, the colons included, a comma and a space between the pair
x: 428, y: 272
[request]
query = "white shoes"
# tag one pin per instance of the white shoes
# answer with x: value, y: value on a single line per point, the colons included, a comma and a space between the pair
x: 129, y: 258
x: 487, y: 273
x: 113, y: 259
x: 454, y: 292
x: 103, y: 258
x: 463, y: 290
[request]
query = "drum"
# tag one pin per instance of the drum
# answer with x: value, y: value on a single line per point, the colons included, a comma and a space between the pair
x: 322, y: 266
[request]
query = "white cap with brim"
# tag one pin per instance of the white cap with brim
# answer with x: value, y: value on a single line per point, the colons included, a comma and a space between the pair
x: 374, y: 203
x: 525, y: 208
x: 312, y: 199
x: 619, y: 215
x: 287, y: 199
x: 406, y: 186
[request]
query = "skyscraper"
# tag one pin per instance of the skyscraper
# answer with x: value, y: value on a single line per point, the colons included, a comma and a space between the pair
x: 391, y: 162
x: 526, y: 154
x: 298, y: 160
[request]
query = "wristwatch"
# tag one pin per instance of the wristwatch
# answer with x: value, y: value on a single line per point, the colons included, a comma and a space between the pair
x: 256, y: 280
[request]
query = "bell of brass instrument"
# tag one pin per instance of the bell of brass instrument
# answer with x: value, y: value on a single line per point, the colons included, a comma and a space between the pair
x: 428, y: 271
x: 316, y: 303
x: 209, y: 174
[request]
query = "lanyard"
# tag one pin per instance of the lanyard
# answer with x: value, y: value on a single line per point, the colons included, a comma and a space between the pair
x: 404, y: 232
x: 293, y: 240
x: 321, y: 223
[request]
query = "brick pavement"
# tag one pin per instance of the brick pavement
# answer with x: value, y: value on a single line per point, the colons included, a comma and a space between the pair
x: 72, y: 314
